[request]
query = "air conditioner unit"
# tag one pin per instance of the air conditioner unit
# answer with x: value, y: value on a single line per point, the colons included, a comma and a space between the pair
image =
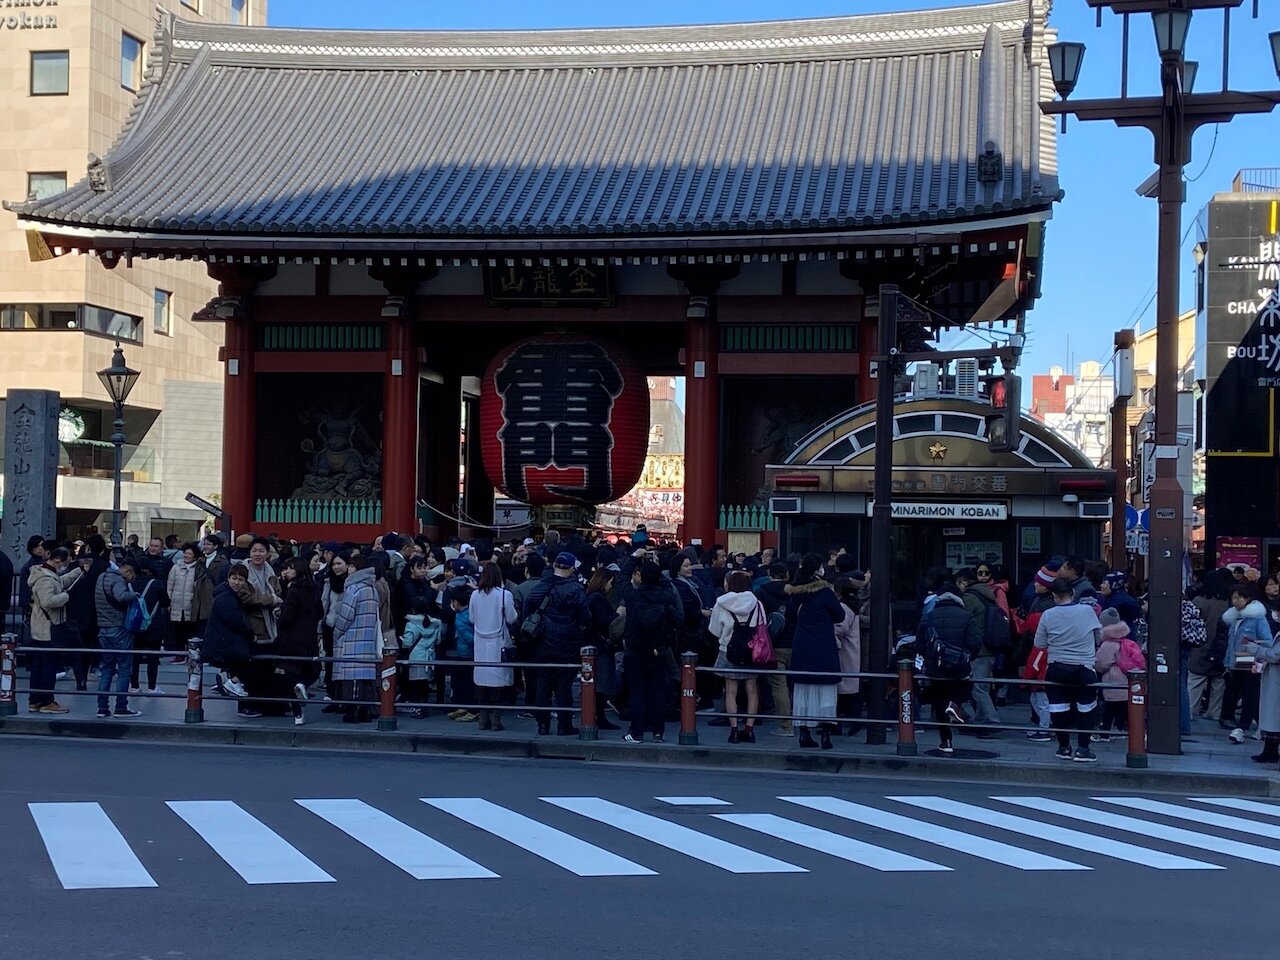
x: 926, y: 380
x: 784, y: 505
x: 967, y: 379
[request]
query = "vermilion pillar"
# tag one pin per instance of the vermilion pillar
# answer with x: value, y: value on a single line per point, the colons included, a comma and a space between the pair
x: 239, y: 415
x: 400, y: 428
x: 701, y: 423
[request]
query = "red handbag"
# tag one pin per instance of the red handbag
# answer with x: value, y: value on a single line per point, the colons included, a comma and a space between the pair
x: 761, y: 645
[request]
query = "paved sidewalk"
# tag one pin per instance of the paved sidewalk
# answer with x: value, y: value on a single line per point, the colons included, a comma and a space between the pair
x: 1209, y: 762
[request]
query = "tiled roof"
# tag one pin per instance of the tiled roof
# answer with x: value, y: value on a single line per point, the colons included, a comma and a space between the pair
x: 797, y: 126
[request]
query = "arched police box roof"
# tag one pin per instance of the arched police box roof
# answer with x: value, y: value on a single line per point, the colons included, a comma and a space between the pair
x: 849, y: 439
x: 833, y: 126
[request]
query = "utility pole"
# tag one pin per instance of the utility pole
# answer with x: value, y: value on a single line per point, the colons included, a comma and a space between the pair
x: 1120, y: 448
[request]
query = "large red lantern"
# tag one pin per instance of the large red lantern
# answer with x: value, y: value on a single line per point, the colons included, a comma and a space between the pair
x: 564, y: 418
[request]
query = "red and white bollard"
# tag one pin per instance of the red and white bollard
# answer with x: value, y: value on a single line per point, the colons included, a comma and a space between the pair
x: 689, y: 699
x: 8, y: 675
x: 387, y: 701
x: 1137, y: 755
x: 195, y: 683
x: 906, y: 708
x: 587, y: 728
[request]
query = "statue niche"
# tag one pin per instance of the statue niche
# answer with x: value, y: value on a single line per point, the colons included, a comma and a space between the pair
x: 347, y: 465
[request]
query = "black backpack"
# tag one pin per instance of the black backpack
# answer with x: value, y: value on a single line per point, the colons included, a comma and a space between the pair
x: 997, y: 632
x: 939, y: 654
x: 738, y: 652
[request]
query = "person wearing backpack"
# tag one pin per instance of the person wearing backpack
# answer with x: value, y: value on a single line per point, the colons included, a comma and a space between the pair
x: 650, y: 629
x: 993, y: 625
x: 153, y: 599
x: 1117, y: 655
x: 114, y: 601
x: 734, y: 618
x: 948, y: 637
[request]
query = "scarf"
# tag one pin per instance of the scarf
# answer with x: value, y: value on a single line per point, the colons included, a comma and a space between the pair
x: 260, y: 580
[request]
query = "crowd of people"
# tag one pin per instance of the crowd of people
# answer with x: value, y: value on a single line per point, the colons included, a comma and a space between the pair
x: 489, y: 629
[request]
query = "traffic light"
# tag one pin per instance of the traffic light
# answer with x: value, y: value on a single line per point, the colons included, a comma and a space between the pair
x: 1004, y: 393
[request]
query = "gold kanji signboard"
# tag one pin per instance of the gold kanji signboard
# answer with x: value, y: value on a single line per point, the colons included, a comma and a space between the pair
x: 557, y: 286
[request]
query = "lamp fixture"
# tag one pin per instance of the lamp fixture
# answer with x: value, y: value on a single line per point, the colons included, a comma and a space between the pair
x: 1189, y: 68
x: 1171, y: 31
x: 119, y: 378
x: 1275, y: 50
x: 1065, y: 59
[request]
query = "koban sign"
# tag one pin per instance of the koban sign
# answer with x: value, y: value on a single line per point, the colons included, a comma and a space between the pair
x: 947, y: 511
x: 27, y: 21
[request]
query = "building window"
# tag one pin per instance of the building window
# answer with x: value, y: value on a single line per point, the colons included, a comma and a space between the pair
x: 71, y: 316
x: 50, y: 73
x: 42, y: 185
x: 240, y: 13
x: 162, y: 312
x: 192, y: 5
x: 131, y: 49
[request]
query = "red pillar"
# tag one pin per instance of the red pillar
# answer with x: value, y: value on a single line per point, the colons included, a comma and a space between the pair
x: 400, y: 429
x: 239, y: 423
x: 701, y: 429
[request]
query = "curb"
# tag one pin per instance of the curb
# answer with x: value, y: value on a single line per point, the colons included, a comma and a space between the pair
x: 1012, y: 772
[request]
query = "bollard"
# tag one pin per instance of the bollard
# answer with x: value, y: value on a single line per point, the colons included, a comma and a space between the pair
x: 387, y: 703
x: 906, y: 708
x: 1137, y: 755
x: 689, y: 699
x: 8, y: 675
x: 195, y: 683
x: 587, y: 729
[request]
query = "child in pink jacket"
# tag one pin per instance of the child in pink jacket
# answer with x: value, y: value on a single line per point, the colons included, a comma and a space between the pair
x: 1117, y: 654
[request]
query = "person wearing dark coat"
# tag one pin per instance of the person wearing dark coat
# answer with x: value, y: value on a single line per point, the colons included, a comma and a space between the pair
x: 6, y: 583
x: 602, y: 612
x: 228, y: 637
x: 814, y: 610
x: 948, y: 626
x: 298, y: 634
x: 412, y: 593
x: 564, y: 621
x: 652, y: 625
x: 155, y: 596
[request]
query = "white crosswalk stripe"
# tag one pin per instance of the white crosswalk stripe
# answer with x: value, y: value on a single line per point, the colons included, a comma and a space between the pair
x: 415, y: 853
x: 1146, y: 828
x: 86, y: 849
x: 576, y: 856
x: 673, y: 836
x: 1248, y: 806
x: 249, y: 846
x: 992, y: 850
x: 1128, y: 852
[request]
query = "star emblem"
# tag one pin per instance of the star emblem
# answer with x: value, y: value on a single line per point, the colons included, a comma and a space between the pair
x: 938, y: 451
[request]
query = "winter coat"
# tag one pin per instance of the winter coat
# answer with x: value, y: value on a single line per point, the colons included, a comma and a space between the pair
x: 602, y: 614
x: 976, y: 599
x: 421, y: 637
x: 261, y: 608
x: 492, y: 615
x: 410, y: 595
x: 653, y: 620
x: 182, y: 591
x: 157, y: 566
x: 773, y: 595
x: 955, y: 627
x: 299, y: 625
x: 1129, y: 609
x: 849, y: 639
x: 464, y: 635
x: 228, y: 638
x: 693, y: 633
x: 1269, y: 686
x: 357, y: 629
x: 1249, y: 626
x: 49, y: 598
x: 82, y: 608
x: 111, y: 600
x: 814, y: 610
x: 734, y: 608
x: 1117, y: 654
x: 209, y: 576
x: 563, y: 621
x: 1206, y: 659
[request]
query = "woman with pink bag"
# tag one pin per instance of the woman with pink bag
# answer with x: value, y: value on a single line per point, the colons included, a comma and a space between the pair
x: 734, y: 620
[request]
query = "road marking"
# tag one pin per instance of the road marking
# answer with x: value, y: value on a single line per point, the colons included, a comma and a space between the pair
x: 835, y: 844
x: 86, y: 849
x: 1107, y: 818
x: 673, y: 836
x: 694, y: 801
x: 576, y: 856
x: 418, y: 855
x: 1248, y: 806
x: 1054, y: 834
x: 1204, y: 817
x: 992, y: 850
x: 249, y: 846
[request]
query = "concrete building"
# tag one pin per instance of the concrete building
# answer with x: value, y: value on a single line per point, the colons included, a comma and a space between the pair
x: 1079, y: 409
x: 73, y: 74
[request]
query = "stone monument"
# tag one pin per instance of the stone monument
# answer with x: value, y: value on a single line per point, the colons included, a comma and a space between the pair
x: 30, y: 469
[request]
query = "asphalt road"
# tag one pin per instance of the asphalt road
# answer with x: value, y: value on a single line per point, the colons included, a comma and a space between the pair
x: 116, y: 850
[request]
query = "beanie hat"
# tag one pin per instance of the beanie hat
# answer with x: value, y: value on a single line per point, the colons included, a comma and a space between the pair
x: 1109, y: 616
x: 1045, y: 576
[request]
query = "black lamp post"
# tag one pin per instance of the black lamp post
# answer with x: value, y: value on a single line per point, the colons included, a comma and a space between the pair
x: 1172, y: 117
x: 118, y: 380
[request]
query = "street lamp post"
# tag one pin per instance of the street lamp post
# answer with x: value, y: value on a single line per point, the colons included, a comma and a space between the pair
x: 1172, y: 118
x: 118, y: 379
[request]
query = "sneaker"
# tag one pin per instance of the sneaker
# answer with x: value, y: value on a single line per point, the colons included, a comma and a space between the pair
x: 235, y: 688
x: 134, y: 691
x: 104, y: 714
x: 54, y: 707
x: 62, y: 675
x: 468, y: 717
x: 525, y: 715
x: 946, y: 748
x: 128, y: 712
x: 628, y: 738
x: 1236, y: 736
x: 299, y: 720
x: 1085, y: 755
x: 155, y: 691
x: 1040, y: 736
x: 956, y: 715
x: 455, y: 714
x: 657, y: 738
x: 1100, y: 738
x: 248, y: 714
x: 779, y: 732
x: 300, y: 691
x: 1065, y: 753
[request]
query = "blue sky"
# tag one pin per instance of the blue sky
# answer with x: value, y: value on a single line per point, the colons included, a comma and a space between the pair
x: 1100, y: 247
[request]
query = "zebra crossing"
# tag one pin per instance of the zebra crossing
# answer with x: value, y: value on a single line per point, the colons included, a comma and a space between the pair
x: 86, y: 848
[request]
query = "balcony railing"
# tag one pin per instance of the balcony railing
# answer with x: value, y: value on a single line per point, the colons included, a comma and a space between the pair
x: 1257, y: 180
x: 96, y: 459
x: 335, y: 512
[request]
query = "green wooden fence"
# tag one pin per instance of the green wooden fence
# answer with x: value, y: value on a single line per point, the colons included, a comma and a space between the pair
x: 318, y: 511
x: 748, y: 517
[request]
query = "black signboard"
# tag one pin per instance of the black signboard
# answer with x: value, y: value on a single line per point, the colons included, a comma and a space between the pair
x: 549, y: 286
